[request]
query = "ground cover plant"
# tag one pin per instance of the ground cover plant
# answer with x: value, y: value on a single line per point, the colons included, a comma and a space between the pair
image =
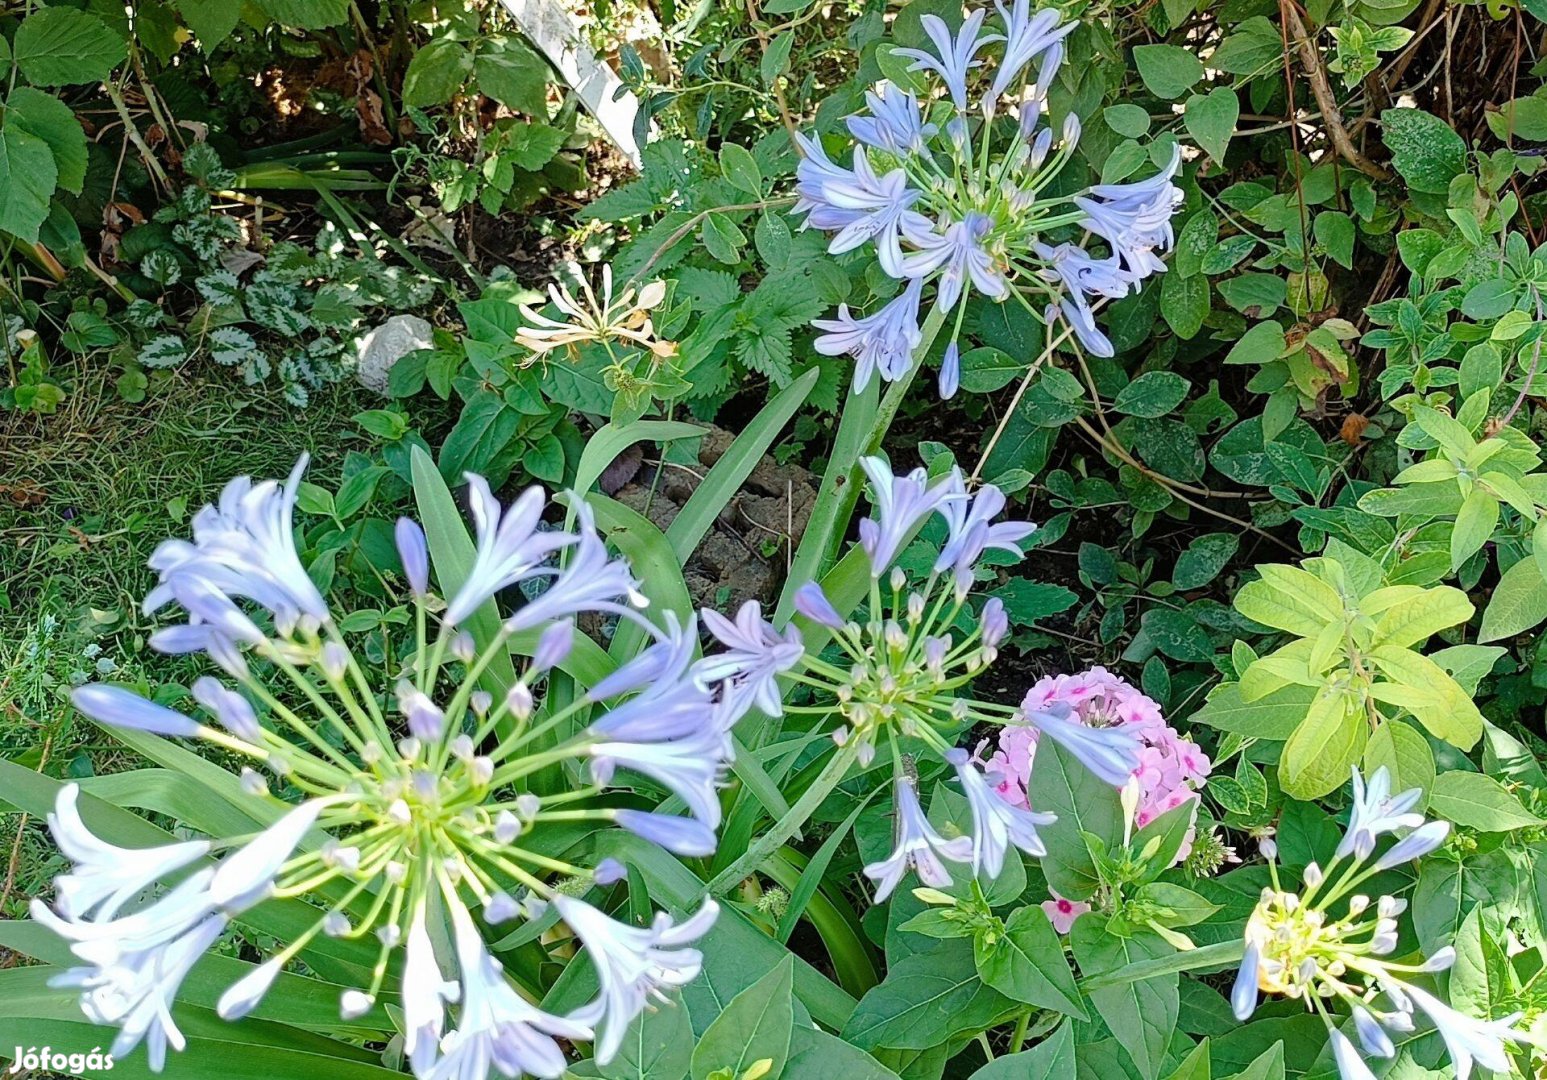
x: 776, y: 540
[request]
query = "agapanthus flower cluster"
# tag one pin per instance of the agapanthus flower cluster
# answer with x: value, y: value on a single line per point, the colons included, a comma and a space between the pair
x: 902, y: 684
x: 418, y: 819
x: 1328, y: 944
x: 961, y: 196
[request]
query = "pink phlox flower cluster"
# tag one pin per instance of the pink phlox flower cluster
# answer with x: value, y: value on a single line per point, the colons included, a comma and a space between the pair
x: 1171, y: 768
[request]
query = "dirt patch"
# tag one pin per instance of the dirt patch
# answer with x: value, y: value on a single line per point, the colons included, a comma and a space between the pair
x: 744, y: 555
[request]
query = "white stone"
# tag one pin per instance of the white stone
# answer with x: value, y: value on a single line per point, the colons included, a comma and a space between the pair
x: 377, y: 351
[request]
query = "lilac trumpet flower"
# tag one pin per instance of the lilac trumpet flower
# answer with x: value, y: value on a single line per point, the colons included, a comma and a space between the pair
x: 120, y: 707
x: 497, y: 1026
x: 1375, y: 812
x: 510, y: 546
x: 244, y: 547
x: 974, y: 532
x: 884, y: 341
x: 902, y: 504
x: 678, y: 835
x: 755, y: 656
x: 919, y: 847
x: 812, y: 602
x: 996, y: 825
x: 1111, y: 753
x: 633, y: 964
x: 894, y: 124
x: 957, y: 252
x: 956, y: 54
x: 1135, y: 218
x: 1028, y: 36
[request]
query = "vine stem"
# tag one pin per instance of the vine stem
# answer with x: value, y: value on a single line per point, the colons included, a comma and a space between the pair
x: 788, y: 825
x: 1020, y: 391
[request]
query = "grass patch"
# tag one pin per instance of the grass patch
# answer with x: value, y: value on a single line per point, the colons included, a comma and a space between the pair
x: 85, y: 496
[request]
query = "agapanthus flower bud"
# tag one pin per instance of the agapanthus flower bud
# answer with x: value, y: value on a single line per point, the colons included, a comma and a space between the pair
x: 414, y: 554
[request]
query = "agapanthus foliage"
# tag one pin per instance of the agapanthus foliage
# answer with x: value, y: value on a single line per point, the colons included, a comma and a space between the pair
x: 1328, y: 945
x: 967, y: 196
x: 417, y: 822
x: 899, y: 683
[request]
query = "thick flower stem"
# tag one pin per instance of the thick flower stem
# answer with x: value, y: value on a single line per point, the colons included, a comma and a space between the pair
x: 835, y: 502
x: 788, y: 825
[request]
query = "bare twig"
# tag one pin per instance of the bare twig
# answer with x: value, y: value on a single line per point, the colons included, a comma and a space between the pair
x: 1310, y: 59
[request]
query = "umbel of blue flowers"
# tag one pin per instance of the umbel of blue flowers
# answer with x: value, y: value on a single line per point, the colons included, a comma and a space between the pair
x: 1330, y: 945
x: 416, y: 819
x: 900, y: 684
x: 953, y: 195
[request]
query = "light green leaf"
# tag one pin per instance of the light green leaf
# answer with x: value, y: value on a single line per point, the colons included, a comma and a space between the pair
x: 1084, y: 804
x: 1050, y: 1059
x: 1027, y: 963
x: 1405, y: 754
x: 1318, y: 756
x: 1142, y: 1015
x: 51, y: 120
x: 27, y: 180
x: 1519, y: 602
x: 1475, y: 523
x: 1480, y: 802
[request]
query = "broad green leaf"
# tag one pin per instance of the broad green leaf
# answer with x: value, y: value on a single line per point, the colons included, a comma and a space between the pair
x: 1152, y: 394
x: 1275, y: 716
x: 1405, y: 754
x: 51, y: 120
x: 1210, y: 119
x: 816, y: 1055
x: 436, y: 72
x: 925, y: 999
x: 61, y: 46
x: 1318, y: 756
x: 1269, y: 1065
x: 512, y: 74
x: 1262, y: 343
x: 1203, y: 560
x: 1424, y: 149
x: 1288, y: 598
x: 1453, y: 716
x: 1084, y: 804
x: 210, y: 20
x: 27, y: 178
x: 1479, y: 802
x: 754, y: 1027
x: 1414, y: 620
x: 307, y: 14
x: 1519, y: 602
x: 740, y: 169
x: 1169, y: 71
x: 1050, y: 1059
x: 1195, y: 1066
x: 1027, y: 963
x: 1475, y: 523
x: 1142, y: 1015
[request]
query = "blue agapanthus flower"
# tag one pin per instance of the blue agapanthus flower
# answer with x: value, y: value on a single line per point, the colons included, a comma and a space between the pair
x: 978, y: 219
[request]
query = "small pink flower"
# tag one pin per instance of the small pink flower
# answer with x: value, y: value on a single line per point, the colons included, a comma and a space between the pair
x: 1062, y: 913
